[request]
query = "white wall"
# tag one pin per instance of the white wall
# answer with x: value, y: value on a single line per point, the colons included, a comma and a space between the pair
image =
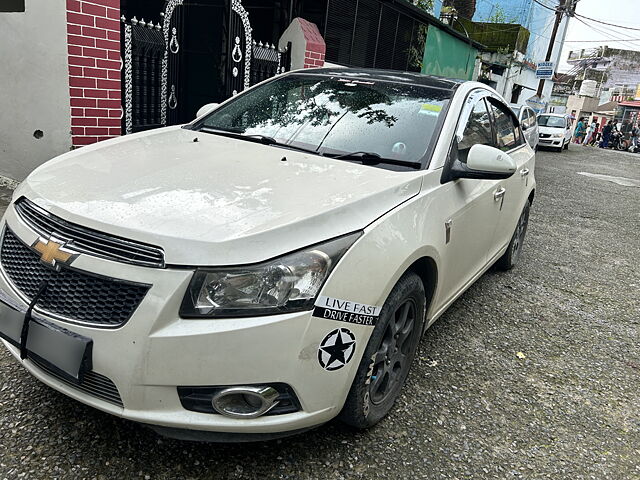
x: 34, y: 86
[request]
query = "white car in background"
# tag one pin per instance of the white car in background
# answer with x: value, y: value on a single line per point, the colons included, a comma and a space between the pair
x: 271, y: 265
x: 528, y: 123
x: 555, y: 130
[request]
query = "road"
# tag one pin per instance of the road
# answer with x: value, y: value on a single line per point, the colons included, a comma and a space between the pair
x: 534, y: 373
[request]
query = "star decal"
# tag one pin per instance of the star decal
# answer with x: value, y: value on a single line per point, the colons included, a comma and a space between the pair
x: 336, y: 349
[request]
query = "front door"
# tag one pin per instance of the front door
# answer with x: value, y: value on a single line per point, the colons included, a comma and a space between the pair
x: 470, y: 208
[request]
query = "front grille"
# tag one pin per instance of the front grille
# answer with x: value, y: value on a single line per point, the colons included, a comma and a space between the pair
x: 71, y: 295
x: 93, y: 384
x: 86, y: 240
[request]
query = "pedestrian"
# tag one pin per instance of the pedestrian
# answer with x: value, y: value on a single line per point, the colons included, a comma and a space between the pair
x: 634, y: 137
x: 590, y: 131
x: 596, y: 137
x: 580, y: 131
x: 606, y: 134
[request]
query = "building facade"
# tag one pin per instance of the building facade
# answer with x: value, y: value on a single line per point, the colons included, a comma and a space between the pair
x: 510, y: 68
x: 615, y: 71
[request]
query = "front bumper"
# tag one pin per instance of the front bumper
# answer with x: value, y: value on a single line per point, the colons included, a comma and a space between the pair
x: 156, y: 351
x: 551, y: 142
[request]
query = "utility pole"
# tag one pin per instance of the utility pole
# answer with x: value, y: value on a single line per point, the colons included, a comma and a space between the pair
x: 568, y: 7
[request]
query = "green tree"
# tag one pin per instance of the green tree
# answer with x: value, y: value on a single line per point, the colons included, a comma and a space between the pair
x: 498, y: 15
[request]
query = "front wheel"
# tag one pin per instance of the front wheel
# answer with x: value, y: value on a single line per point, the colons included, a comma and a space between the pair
x: 386, y: 361
x: 566, y: 146
x: 512, y: 255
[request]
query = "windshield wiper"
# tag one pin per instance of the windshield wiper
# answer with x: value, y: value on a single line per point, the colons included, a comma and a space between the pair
x: 256, y: 138
x: 372, y: 158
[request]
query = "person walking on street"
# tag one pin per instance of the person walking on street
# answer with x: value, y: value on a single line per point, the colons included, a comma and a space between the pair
x: 591, y: 129
x: 580, y: 131
x: 606, y: 134
x: 634, y: 137
x: 597, y: 135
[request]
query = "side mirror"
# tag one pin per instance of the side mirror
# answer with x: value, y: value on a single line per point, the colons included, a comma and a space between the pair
x: 483, y: 163
x: 483, y: 158
x: 208, y: 108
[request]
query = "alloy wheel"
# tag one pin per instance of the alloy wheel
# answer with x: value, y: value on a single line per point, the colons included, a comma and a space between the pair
x: 393, y: 355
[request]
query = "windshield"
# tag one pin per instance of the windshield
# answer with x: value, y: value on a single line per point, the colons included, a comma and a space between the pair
x: 336, y: 116
x: 549, y: 121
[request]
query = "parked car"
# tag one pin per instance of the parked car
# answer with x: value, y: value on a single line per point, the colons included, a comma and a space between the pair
x: 528, y: 123
x: 555, y: 130
x: 271, y: 265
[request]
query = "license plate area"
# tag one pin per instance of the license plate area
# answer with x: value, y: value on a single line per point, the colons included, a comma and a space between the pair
x: 66, y: 353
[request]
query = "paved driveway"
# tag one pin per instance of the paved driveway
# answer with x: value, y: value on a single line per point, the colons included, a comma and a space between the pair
x: 533, y: 373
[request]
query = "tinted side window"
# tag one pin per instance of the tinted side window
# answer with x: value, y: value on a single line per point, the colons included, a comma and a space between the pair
x: 506, y: 130
x: 477, y: 130
x: 531, y: 120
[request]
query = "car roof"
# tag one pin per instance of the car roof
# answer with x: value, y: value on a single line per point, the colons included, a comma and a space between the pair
x: 385, y: 75
x: 561, y: 115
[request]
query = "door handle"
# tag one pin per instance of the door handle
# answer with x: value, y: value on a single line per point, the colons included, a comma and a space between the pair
x: 499, y: 193
x: 524, y: 172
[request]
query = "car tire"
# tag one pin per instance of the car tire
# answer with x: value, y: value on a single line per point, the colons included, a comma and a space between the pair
x: 510, y: 258
x: 397, y: 333
x: 566, y: 146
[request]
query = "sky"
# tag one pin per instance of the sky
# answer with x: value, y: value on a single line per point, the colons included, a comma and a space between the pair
x: 619, y: 12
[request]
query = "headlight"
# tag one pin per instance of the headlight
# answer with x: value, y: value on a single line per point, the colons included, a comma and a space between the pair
x: 557, y: 135
x: 286, y: 284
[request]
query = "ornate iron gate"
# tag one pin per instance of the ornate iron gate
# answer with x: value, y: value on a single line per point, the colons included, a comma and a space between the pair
x: 268, y: 61
x: 143, y: 52
x: 152, y: 63
x: 237, y: 76
x: 172, y: 28
x: 150, y: 70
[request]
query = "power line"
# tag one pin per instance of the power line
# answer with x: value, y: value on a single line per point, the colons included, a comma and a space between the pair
x: 605, y: 33
x: 600, y: 41
x: 614, y: 36
x: 603, y: 23
x: 545, y: 6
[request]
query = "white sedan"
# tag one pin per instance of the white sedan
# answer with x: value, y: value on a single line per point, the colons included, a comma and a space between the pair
x: 271, y: 265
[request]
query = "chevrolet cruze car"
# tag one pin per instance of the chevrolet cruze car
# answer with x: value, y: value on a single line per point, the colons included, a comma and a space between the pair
x: 271, y: 265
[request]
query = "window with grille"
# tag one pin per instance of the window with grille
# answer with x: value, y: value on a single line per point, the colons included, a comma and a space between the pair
x: 368, y: 33
x: 12, y: 6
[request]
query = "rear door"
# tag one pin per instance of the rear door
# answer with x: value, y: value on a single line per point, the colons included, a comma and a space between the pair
x: 509, y: 139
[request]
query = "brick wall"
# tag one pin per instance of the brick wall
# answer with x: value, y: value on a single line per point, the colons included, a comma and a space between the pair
x: 93, y: 38
x: 315, y: 46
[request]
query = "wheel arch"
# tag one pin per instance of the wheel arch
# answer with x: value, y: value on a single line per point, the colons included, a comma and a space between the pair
x: 427, y: 269
x: 531, y: 196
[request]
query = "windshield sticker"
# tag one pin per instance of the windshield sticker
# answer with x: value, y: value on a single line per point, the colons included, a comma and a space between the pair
x: 346, y: 311
x: 430, y: 109
x: 336, y: 349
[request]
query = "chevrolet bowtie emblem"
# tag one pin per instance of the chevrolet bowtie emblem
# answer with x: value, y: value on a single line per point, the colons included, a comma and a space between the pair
x: 53, y: 253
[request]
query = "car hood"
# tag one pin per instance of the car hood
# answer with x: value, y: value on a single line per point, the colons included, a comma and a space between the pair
x: 212, y: 200
x: 550, y: 130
